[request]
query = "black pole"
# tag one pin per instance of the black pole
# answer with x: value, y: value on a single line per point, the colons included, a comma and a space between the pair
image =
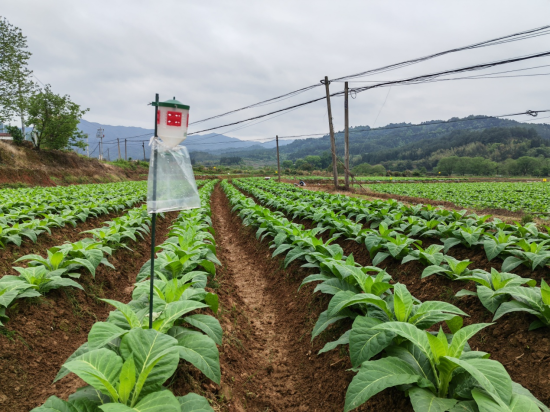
x: 153, y: 220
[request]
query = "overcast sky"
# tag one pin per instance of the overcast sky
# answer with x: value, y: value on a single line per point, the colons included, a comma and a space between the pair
x: 113, y: 56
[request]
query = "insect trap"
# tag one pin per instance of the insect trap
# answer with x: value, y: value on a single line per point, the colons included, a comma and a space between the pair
x: 171, y: 182
x: 171, y: 185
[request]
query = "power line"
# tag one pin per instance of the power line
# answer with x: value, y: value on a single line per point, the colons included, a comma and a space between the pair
x: 408, y: 81
x: 432, y: 76
x: 262, y: 103
x: 536, y: 32
x: 477, y: 75
x: 527, y: 34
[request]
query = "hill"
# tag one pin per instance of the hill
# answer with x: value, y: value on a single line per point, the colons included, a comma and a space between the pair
x: 138, y: 140
x: 22, y: 165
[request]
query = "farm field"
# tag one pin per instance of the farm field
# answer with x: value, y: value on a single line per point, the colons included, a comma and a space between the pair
x: 513, y: 196
x: 271, y: 297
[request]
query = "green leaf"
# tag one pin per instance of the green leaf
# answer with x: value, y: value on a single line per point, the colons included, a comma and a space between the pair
x: 324, y: 321
x: 455, y: 324
x: 490, y: 375
x: 425, y: 401
x: 54, y: 404
x: 438, y: 344
x: 127, y: 311
x: 412, y: 333
x: 155, y: 355
x: 80, y: 351
x: 430, y: 270
x: 545, y: 292
x: 208, y: 324
x: 194, y: 403
x: 375, y: 376
x: 342, y: 340
x: 127, y: 380
x: 514, y: 306
x: 162, y: 401
x: 174, y: 311
x: 201, y: 351
x: 465, y: 406
x: 411, y: 354
x: 102, y: 333
x: 402, y: 302
x: 99, y: 368
x: 461, y: 337
x: 212, y: 300
x: 510, y: 263
x: 364, y: 342
x: 489, y: 299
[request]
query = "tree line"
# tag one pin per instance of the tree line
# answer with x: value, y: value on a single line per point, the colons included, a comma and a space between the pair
x: 54, y: 118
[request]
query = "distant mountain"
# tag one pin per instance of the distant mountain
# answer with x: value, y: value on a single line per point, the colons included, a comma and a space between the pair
x: 365, y: 141
x: 138, y: 137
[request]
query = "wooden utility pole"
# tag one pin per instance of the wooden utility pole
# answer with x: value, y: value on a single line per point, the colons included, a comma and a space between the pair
x: 332, y: 141
x: 143, y: 145
x: 346, y: 136
x: 118, y: 143
x: 278, y: 164
x: 125, y: 152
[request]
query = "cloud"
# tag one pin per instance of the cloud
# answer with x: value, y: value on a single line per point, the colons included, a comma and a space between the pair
x: 113, y: 56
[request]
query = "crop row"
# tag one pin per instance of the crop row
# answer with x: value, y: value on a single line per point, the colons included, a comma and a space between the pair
x: 30, y: 212
x: 438, y: 371
x: 124, y: 363
x: 513, y: 196
x: 494, y: 289
x: 63, y: 262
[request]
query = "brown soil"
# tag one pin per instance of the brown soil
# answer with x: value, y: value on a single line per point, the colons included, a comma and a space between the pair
x: 22, y: 164
x: 267, y: 360
x: 45, y: 240
x: 43, y: 332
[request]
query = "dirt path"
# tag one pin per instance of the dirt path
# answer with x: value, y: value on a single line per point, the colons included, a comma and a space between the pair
x: 267, y: 360
x: 277, y: 372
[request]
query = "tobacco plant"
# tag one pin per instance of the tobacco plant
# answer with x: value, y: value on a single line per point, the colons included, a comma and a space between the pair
x: 535, y: 301
x: 491, y: 285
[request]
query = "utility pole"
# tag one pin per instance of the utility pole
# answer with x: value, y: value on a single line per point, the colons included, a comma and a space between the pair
x: 331, y: 128
x: 108, y: 155
x: 143, y: 145
x: 100, y: 135
x: 346, y: 136
x: 125, y: 152
x: 118, y: 143
x: 87, y: 145
x: 278, y: 164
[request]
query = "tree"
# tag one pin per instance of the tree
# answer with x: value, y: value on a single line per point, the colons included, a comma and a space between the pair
x: 55, y: 119
x: 15, y: 133
x: 314, y: 161
x: 527, y: 165
x: 287, y: 164
x: 447, y: 165
x: 16, y: 85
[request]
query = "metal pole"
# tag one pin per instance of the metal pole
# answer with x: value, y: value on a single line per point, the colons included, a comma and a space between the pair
x: 108, y: 155
x: 125, y: 152
x: 153, y: 218
x: 278, y: 164
x: 346, y: 136
x: 143, y: 145
x: 118, y: 144
x: 332, y: 141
